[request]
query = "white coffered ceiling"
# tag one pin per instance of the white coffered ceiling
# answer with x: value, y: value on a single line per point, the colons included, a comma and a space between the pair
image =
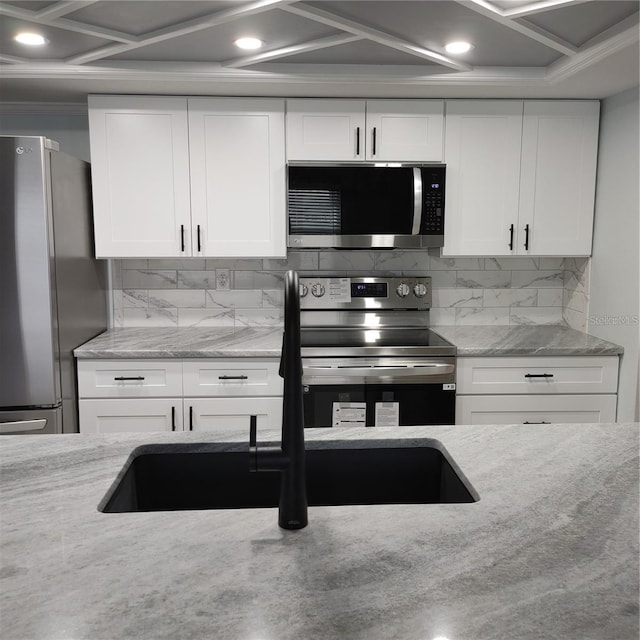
x: 375, y: 48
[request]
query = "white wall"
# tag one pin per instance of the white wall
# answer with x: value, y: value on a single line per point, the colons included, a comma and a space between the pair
x: 64, y: 123
x: 614, y: 306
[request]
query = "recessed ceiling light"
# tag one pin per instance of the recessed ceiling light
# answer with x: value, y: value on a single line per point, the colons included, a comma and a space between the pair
x: 248, y: 43
x: 458, y: 47
x: 33, y: 39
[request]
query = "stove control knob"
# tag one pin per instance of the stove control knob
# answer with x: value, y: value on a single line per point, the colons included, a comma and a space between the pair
x: 403, y: 290
x: 317, y: 290
x: 420, y: 290
x: 303, y: 290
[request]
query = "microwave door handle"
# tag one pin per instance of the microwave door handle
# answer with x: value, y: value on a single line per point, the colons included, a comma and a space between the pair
x: 417, y: 201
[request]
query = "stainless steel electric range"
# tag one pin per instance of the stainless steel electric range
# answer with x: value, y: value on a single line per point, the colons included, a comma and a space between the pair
x: 369, y: 357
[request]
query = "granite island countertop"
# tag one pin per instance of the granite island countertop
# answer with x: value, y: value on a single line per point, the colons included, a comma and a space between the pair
x: 549, y: 551
x: 257, y: 342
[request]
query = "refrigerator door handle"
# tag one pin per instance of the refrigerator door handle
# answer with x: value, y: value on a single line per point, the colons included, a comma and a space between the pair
x: 23, y: 425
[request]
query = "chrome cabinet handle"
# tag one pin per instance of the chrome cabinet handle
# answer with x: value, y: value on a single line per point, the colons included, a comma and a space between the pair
x: 136, y: 378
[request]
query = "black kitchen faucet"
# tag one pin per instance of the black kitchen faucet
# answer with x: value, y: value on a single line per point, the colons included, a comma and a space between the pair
x: 289, y: 458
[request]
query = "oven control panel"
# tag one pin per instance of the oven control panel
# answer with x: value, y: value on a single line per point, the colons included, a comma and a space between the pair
x: 365, y: 293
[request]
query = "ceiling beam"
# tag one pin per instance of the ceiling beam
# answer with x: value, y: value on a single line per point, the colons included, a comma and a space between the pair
x: 539, y: 7
x: 618, y: 37
x: 59, y: 9
x: 181, y: 29
x: 13, y: 59
x: 524, y: 28
x: 375, y: 35
x: 311, y: 45
x: 67, y: 25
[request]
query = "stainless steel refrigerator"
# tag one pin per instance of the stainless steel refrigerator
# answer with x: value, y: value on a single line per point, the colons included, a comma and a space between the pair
x: 52, y: 289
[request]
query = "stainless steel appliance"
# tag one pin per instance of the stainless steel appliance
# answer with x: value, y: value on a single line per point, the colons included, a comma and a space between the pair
x: 360, y: 206
x: 369, y: 356
x: 53, y: 289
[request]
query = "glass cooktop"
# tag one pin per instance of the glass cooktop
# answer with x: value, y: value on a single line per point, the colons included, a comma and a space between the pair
x: 362, y: 341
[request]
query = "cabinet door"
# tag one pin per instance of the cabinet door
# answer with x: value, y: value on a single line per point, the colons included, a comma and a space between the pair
x: 130, y: 415
x: 238, y: 177
x: 325, y: 130
x: 217, y: 414
x: 535, y: 409
x: 405, y: 130
x: 482, y: 153
x: 558, y: 177
x: 140, y: 176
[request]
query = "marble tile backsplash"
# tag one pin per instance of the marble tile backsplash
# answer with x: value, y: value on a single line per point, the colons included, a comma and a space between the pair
x: 466, y: 291
x: 575, y: 300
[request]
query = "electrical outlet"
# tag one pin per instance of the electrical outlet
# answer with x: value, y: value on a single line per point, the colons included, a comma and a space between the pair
x: 223, y: 279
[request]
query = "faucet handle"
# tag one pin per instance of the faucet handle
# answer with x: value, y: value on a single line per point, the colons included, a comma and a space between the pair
x: 253, y: 431
x: 253, y: 443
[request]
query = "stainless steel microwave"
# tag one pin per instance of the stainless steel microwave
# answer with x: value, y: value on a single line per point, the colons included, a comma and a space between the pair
x: 364, y: 206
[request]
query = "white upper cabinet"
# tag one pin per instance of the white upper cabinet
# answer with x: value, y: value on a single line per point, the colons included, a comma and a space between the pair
x: 368, y: 130
x: 203, y: 177
x: 520, y: 177
x: 237, y: 177
x: 140, y: 175
x: 405, y: 130
x: 482, y: 154
x: 558, y: 177
x: 325, y: 129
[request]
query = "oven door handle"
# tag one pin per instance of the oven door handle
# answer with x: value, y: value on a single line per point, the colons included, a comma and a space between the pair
x: 435, y: 369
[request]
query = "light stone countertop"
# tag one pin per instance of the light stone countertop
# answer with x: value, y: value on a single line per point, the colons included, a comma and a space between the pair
x: 550, y: 551
x: 256, y: 342
x: 152, y: 342
x: 526, y: 340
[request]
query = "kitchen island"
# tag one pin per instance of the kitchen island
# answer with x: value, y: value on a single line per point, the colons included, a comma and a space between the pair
x: 549, y: 551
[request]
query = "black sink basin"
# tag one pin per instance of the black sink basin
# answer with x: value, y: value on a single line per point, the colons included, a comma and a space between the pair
x: 168, y: 478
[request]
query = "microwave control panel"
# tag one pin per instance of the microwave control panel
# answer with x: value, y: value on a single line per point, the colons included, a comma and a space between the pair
x: 432, y: 222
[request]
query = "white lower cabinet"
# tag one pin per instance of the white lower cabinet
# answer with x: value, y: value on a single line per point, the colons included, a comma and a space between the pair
x: 214, y: 414
x: 128, y: 415
x: 536, y: 409
x: 120, y: 395
x: 536, y: 389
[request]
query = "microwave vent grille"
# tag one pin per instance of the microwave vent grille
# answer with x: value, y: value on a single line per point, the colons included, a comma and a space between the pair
x: 314, y: 211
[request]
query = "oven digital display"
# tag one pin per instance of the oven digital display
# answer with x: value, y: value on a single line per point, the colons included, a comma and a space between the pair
x: 369, y: 290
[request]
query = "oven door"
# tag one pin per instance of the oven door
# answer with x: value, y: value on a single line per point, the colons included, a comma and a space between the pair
x: 340, y: 392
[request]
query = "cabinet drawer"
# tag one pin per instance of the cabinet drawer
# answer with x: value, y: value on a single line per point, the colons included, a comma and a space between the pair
x: 237, y: 377
x: 215, y: 414
x: 535, y: 409
x: 130, y: 415
x: 544, y: 375
x: 129, y: 378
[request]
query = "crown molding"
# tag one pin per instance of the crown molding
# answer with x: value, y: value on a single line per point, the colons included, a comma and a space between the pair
x: 40, y: 109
